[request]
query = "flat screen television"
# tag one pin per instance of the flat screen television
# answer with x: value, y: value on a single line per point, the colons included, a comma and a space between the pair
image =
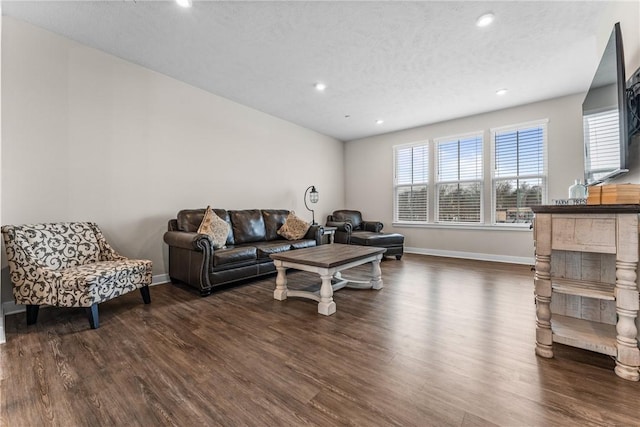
x: 604, y: 116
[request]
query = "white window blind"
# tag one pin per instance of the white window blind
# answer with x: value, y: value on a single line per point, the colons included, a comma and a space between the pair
x: 459, y: 182
x: 411, y: 183
x: 602, y: 133
x: 519, y: 174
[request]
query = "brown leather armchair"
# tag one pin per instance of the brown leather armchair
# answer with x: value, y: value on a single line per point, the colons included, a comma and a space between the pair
x: 353, y: 230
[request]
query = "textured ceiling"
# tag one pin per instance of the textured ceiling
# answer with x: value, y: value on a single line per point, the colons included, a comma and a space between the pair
x: 408, y: 63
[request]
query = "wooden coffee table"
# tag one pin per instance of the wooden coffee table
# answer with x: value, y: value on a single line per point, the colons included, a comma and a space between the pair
x: 328, y: 261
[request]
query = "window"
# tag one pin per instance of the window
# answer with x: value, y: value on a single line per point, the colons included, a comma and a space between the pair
x: 519, y: 178
x: 447, y: 182
x: 459, y: 182
x: 411, y: 182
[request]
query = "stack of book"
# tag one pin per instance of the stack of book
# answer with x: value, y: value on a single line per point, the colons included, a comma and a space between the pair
x: 614, y: 194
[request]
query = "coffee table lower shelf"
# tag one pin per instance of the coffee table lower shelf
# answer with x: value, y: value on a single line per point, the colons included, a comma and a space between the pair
x: 327, y: 261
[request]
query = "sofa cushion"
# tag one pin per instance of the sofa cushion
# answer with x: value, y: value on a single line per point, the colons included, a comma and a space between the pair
x: 222, y: 213
x: 233, y: 255
x: 190, y: 219
x: 215, y: 227
x: 248, y: 226
x: 353, y: 217
x: 273, y: 220
x: 300, y: 244
x: 294, y: 228
x: 274, y: 247
x: 84, y: 285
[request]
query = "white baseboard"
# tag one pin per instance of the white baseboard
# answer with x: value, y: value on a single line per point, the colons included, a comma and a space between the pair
x: 160, y: 279
x: 10, y: 307
x: 472, y: 255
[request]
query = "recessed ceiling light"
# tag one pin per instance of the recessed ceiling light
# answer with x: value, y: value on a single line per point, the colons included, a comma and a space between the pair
x: 485, y: 19
x: 501, y: 92
x: 320, y: 86
x: 379, y: 121
x: 185, y: 3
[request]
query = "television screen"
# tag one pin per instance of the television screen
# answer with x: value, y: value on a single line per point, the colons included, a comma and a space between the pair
x: 604, y: 116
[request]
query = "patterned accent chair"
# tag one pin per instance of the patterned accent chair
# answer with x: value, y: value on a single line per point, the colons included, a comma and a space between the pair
x: 69, y: 265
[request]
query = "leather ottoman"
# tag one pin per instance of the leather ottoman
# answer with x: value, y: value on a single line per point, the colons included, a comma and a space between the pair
x: 393, y: 242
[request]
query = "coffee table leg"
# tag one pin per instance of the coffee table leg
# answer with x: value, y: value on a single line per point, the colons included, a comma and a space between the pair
x: 326, y: 305
x: 376, y: 273
x: 281, y: 282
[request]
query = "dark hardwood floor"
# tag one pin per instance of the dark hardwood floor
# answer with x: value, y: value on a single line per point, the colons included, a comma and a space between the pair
x: 446, y: 342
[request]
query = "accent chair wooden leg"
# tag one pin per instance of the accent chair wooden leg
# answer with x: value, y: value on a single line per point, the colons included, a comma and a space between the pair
x: 146, y: 296
x: 398, y: 257
x: 32, y: 314
x: 92, y: 313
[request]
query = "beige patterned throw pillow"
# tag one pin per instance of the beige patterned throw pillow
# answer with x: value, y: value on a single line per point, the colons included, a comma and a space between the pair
x: 294, y: 228
x: 215, y: 227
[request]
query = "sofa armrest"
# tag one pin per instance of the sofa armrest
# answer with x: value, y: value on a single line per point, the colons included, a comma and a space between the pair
x: 107, y: 253
x: 343, y: 231
x: 33, y: 281
x: 375, y: 226
x: 190, y: 258
x: 40, y: 285
x: 345, y: 227
x: 189, y: 240
x: 315, y: 233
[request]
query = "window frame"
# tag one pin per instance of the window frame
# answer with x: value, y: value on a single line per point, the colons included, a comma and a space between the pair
x: 437, y: 182
x: 544, y: 177
x: 428, y: 146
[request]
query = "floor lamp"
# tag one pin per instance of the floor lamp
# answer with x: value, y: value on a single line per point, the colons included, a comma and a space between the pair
x: 313, y: 198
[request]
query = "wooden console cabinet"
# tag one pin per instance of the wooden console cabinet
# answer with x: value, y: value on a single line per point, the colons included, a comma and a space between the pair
x: 586, y: 282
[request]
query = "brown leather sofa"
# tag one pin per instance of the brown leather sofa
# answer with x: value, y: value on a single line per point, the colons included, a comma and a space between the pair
x: 353, y: 230
x: 252, y: 238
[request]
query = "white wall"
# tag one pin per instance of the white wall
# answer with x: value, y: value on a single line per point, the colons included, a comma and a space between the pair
x: 628, y: 14
x: 629, y: 17
x: 369, y: 171
x: 370, y: 166
x: 87, y: 136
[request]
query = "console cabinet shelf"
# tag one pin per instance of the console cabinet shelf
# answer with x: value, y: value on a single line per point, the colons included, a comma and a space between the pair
x: 598, y: 290
x: 586, y: 283
x: 594, y: 336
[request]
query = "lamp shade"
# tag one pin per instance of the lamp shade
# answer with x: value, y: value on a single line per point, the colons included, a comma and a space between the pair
x: 314, y: 196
